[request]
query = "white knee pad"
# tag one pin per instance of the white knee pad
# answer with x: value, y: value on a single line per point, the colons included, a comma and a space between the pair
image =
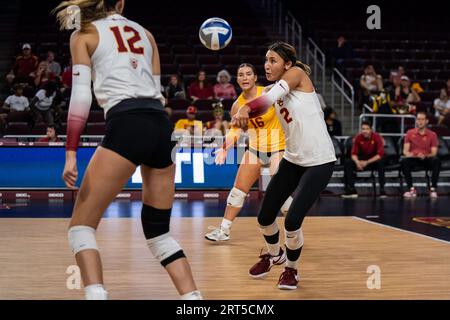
x: 287, y: 204
x: 82, y: 238
x: 294, y: 239
x: 269, y: 230
x: 236, y: 198
x: 165, y: 249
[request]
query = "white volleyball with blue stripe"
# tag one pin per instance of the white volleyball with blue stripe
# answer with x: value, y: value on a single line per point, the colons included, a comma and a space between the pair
x: 215, y: 33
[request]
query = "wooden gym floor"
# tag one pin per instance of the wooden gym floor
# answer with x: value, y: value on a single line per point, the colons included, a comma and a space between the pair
x: 34, y: 257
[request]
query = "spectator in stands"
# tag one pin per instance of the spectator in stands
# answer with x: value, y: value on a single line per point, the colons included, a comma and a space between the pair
x: 200, y: 88
x: 175, y: 89
x: 397, y: 74
x: 224, y: 89
x: 343, y: 50
x: 420, y: 150
x: 448, y: 87
x: 51, y: 135
x: 189, y: 126
x: 54, y: 66
x: 42, y: 104
x: 25, y: 65
x: 367, y: 154
x: 16, y: 102
x: 371, y: 83
x: 405, y: 97
x: 395, y: 79
x: 333, y: 125
x: 43, y: 75
x: 441, y: 106
x: 218, y: 126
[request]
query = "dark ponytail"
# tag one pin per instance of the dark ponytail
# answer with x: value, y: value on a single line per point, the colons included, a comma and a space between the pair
x: 288, y: 53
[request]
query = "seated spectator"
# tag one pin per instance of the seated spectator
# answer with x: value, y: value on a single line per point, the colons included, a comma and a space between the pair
x: 343, y: 50
x: 43, y: 75
x: 224, y: 89
x: 441, y: 106
x: 43, y: 103
x: 371, y: 83
x: 25, y: 65
x: 333, y: 125
x: 420, y: 149
x: 383, y: 104
x: 175, y: 89
x: 17, y: 102
x: 367, y: 154
x: 189, y: 126
x: 54, y: 66
x: 200, y: 88
x: 218, y: 126
x: 51, y: 135
x: 405, y: 97
x: 397, y: 74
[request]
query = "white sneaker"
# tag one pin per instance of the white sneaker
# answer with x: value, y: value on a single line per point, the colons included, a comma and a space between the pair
x: 218, y: 234
x: 412, y: 193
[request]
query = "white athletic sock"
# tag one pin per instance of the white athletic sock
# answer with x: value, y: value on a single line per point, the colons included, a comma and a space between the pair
x: 95, y: 292
x: 292, y: 264
x: 226, y: 224
x: 274, y: 249
x: 194, y: 295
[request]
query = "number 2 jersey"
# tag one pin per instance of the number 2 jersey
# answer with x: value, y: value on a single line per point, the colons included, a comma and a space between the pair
x: 265, y: 133
x: 308, y: 143
x: 122, y: 63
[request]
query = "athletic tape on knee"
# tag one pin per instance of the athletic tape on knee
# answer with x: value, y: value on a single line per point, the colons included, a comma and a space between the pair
x: 165, y: 249
x: 287, y: 204
x: 294, y: 239
x: 236, y: 198
x: 269, y: 230
x: 82, y: 238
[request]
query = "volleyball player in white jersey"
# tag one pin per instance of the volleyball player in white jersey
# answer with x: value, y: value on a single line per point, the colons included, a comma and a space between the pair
x: 307, y: 163
x: 123, y: 59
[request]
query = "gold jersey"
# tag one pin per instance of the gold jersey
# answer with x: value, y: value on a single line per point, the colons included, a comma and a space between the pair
x: 265, y: 132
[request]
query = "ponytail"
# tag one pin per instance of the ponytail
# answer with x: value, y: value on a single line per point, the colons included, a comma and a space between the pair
x: 303, y: 66
x: 78, y: 14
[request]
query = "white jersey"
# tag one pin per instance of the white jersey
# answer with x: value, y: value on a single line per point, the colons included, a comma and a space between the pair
x: 308, y: 143
x: 122, y: 63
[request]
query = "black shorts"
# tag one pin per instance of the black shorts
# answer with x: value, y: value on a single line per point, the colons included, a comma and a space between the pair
x: 264, y: 157
x: 143, y: 136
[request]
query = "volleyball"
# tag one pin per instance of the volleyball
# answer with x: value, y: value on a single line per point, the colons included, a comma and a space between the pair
x: 215, y: 33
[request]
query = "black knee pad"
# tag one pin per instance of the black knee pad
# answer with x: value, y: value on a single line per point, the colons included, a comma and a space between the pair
x: 155, y: 222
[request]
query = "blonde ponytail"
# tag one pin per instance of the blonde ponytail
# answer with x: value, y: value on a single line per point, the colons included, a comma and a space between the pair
x: 78, y: 14
x: 303, y: 66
